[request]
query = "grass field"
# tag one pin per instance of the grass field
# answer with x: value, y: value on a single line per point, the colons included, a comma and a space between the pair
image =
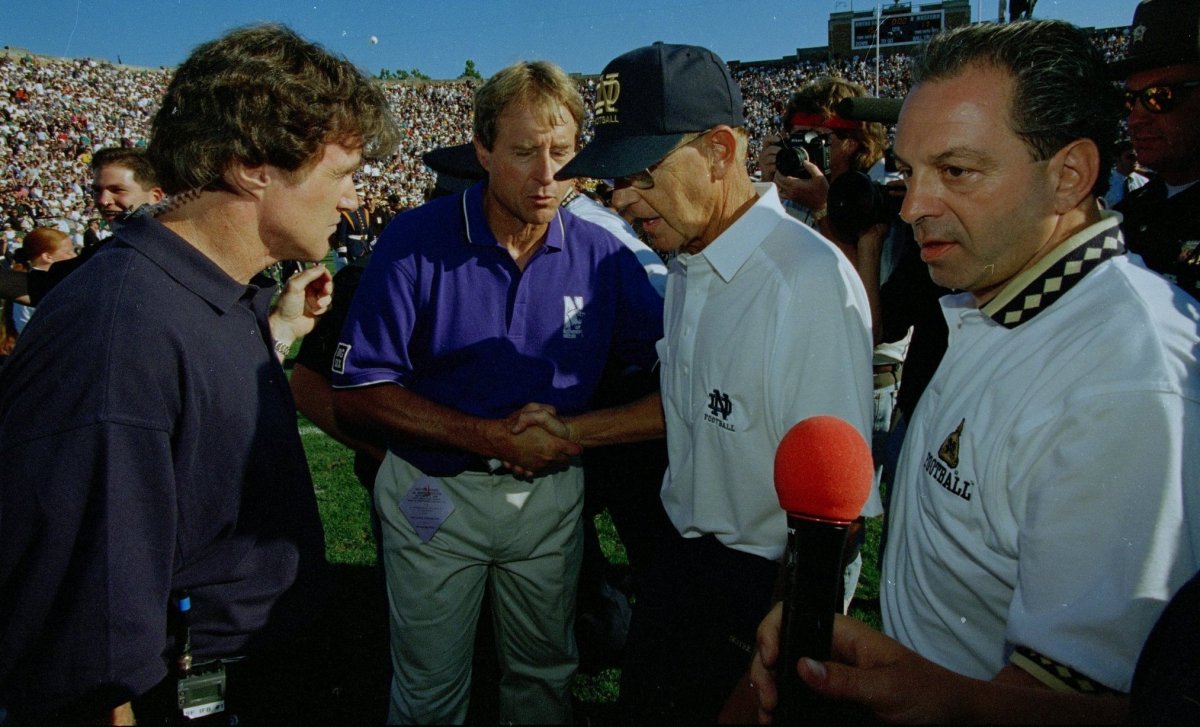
x: 347, y: 676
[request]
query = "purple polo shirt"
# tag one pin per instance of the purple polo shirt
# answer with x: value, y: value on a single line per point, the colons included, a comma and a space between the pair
x: 443, y: 310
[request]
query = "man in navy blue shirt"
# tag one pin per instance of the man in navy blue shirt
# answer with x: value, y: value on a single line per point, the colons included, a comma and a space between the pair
x: 479, y: 314
x: 147, y: 430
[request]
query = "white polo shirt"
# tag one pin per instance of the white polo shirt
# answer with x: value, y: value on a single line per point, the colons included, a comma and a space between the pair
x: 768, y: 325
x: 1048, y: 494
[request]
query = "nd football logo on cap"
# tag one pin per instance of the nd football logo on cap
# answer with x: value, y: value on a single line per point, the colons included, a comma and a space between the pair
x: 665, y: 92
x: 607, y: 94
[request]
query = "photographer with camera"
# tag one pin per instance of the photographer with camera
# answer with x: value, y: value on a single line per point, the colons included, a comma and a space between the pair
x: 816, y: 146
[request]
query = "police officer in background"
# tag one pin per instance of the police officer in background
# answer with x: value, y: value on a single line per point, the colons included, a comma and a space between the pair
x: 353, y: 238
x: 378, y: 215
x: 1162, y: 93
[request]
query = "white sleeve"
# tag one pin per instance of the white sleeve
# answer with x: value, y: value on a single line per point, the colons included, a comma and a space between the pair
x: 1107, y: 526
x: 821, y: 360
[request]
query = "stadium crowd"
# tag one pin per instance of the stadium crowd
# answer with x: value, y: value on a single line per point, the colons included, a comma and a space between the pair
x: 55, y: 112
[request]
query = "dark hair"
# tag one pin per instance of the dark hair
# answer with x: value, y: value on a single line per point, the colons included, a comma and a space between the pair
x: 262, y: 94
x: 1061, y: 90
x: 133, y: 159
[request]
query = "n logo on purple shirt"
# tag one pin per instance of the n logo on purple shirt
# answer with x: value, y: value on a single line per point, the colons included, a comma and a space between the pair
x: 572, y: 316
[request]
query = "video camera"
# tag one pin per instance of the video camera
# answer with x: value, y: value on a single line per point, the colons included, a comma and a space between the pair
x: 798, y: 148
x: 856, y: 203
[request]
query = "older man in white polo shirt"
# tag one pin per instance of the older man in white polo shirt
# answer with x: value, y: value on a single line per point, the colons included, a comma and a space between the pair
x: 766, y: 323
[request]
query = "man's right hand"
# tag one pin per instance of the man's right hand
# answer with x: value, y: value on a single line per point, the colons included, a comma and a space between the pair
x: 533, y: 440
x: 812, y: 193
x: 766, y: 157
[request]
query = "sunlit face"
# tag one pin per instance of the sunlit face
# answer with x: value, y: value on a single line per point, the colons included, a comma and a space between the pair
x: 981, y: 207
x: 300, y: 210
x: 1168, y: 143
x: 530, y: 146
x: 115, y: 191
x: 675, y: 213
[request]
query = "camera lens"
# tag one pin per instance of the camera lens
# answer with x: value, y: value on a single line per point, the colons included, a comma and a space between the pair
x: 790, y: 161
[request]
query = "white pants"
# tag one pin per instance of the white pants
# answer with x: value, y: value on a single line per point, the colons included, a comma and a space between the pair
x: 522, y: 539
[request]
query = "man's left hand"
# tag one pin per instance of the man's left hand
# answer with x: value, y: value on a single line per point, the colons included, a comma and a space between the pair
x: 304, y: 299
x: 544, y: 416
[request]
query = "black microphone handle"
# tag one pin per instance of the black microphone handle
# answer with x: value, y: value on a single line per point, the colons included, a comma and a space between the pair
x: 870, y: 109
x: 812, y: 595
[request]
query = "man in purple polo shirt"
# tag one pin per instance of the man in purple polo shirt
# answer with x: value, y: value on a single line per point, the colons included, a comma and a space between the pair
x: 480, y: 315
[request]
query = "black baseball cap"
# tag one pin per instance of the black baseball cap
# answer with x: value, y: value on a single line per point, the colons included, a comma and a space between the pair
x: 647, y: 100
x: 457, y: 167
x: 1163, y: 33
x: 458, y: 160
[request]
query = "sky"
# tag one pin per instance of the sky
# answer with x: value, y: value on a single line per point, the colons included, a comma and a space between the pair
x: 438, y: 37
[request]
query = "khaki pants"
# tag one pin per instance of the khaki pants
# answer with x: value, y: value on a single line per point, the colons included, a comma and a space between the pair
x: 523, y: 540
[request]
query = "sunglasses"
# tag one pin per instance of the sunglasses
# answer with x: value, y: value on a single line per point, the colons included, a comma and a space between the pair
x: 645, y: 178
x: 1158, y: 99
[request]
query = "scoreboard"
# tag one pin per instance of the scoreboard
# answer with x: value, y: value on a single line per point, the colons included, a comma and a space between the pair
x: 898, y: 29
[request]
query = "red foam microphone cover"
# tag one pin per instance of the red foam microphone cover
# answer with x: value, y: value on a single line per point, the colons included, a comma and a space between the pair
x: 823, y: 470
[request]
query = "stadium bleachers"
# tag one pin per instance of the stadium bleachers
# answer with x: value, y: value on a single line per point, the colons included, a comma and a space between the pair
x: 54, y: 112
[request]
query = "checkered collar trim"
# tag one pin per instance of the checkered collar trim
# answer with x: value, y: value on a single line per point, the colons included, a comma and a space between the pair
x: 1037, y: 288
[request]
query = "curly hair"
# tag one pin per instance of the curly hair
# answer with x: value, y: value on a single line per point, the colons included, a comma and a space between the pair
x: 263, y: 95
x: 821, y: 96
x: 1061, y: 90
x: 539, y: 84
